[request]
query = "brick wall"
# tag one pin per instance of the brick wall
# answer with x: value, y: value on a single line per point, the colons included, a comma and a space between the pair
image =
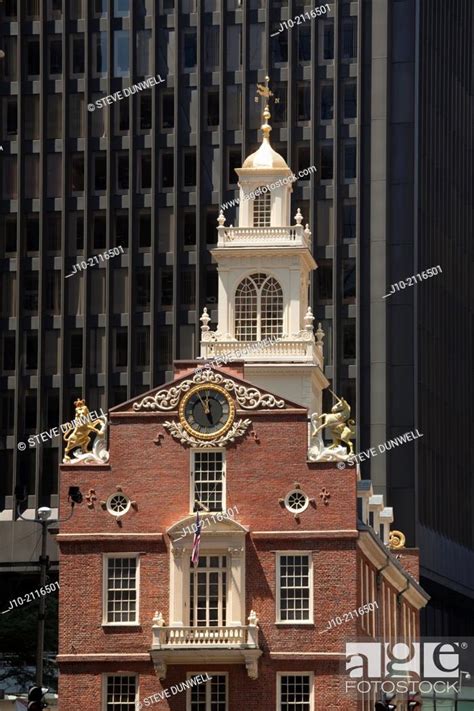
x: 260, y: 471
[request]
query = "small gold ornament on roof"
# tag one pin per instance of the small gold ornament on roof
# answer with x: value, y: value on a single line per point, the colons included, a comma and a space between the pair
x: 396, y: 540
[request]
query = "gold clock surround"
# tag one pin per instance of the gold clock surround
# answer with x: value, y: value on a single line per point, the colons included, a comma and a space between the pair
x: 199, y: 388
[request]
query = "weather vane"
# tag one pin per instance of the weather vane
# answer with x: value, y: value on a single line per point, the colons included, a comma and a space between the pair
x: 263, y: 91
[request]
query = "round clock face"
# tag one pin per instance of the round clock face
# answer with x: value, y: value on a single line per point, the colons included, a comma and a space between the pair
x: 207, y: 411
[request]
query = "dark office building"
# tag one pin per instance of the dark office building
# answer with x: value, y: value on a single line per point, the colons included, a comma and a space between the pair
x: 375, y: 93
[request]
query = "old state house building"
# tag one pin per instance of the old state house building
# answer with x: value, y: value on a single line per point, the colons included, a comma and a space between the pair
x: 293, y: 543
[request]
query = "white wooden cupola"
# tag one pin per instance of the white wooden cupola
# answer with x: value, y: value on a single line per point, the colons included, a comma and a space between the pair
x: 264, y: 266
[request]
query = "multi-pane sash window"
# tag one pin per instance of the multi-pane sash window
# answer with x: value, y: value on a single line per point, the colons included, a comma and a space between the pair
x: 294, y: 692
x: 208, y: 591
x: 121, y: 692
x: 258, y: 308
x: 262, y: 210
x: 211, y: 696
x: 294, y: 593
x: 121, y: 590
x: 208, y: 471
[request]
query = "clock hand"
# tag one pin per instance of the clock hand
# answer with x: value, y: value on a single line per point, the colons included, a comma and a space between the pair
x: 206, y: 409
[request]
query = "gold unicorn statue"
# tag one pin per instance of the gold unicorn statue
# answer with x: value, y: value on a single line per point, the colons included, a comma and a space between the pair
x: 341, y: 427
x: 78, y: 433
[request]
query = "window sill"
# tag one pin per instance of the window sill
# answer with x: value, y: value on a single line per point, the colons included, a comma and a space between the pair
x: 305, y: 623
x: 121, y: 624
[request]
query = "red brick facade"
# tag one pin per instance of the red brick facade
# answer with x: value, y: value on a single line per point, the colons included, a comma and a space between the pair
x: 153, y: 470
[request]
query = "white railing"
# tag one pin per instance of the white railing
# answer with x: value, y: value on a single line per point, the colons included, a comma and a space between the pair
x: 180, y: 637
x: 249, y: 350
x: 241, y: 236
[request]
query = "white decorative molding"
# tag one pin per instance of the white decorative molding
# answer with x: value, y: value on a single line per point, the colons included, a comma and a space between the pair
x: 251, y: 664
x: 295, y: 236
x: 235, y: 553
x: 249, y: 398
x: 217, y: 336
x: 99, y: 454
x: 177, y: 431
x: 178, y: 551
x: 253, y: 619
x: 304, y: 335
x: 160, y: 667
x: 158, y: 619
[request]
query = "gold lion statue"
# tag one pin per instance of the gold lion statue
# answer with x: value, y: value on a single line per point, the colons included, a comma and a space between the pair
x: 78, y: 433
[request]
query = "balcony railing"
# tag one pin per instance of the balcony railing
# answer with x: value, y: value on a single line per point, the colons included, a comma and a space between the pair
x: 281, y: 350
x: 174, y: 644
x: 295, y: 236
x: 184, y: 637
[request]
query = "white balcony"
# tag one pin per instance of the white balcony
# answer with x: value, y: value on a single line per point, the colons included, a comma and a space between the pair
x: 216, y: 645
x: 293, y: 236
x: 181, y: 637
x: 302, y: 349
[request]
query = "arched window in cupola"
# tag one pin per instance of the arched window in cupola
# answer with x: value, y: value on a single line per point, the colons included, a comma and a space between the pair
x: 258, y: 308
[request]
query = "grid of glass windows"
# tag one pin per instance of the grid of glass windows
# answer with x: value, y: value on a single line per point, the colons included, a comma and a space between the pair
x: 294, y: 692
x: 246, y: 311
x: 121, y: 693
x: 294, y: 588
x: 262, y: 210
x: 211, y: 696
x: 271, y: 308
x: 208, y: 476
x: 100, y: 166
x: 258, y: 308
x: 208, y: 592
x: 122, y: 590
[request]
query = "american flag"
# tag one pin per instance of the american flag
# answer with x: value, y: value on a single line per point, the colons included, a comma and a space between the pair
x: 196, y: 541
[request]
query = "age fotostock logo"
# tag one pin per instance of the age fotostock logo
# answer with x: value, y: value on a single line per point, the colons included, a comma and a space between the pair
x: 419, y: 660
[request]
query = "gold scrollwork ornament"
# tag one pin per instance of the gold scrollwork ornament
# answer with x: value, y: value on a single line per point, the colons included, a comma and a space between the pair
x: 396, y: 540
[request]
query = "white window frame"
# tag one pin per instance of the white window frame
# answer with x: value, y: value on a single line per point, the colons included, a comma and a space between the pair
x: 191, y: 674
x: 264, y: 202
x: 222, y: 598
x: 106, y: 676
x: 259, y: 322
x: 281, y: 674
x: 287, y: 504
x: 105, y: 561
x: 193, y: 452
x: 278, y: 619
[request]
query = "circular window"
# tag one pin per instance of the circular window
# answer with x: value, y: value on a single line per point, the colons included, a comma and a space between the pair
x: 296, y: 501
x: 118, y: 504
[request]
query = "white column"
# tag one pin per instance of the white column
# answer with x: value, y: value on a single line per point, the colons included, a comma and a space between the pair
x: 179, y: 585
x: 236, y: 591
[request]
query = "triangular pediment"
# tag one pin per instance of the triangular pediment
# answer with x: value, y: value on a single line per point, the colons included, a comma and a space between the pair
x: 166, y: 398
